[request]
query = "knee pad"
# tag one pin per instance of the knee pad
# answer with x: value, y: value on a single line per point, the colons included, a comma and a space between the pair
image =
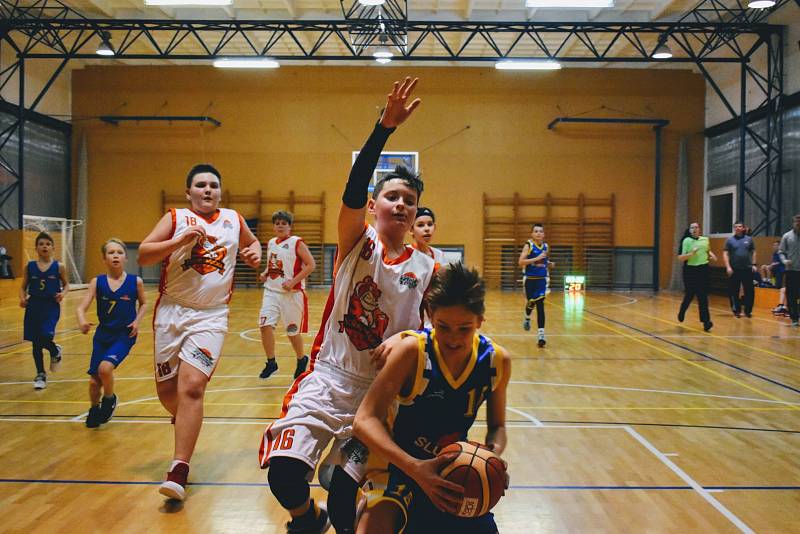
x: 287, y: 481
x: 342, y: 500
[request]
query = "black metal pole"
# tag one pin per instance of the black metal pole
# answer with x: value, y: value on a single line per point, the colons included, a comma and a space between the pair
x: 742, y: 135
x: 657, y: 211
x: 21, y: 142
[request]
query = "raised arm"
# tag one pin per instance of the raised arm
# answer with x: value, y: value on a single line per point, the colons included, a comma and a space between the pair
x: 352, y: 213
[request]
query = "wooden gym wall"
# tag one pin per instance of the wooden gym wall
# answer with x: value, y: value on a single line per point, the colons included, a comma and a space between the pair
x: 295, y: 128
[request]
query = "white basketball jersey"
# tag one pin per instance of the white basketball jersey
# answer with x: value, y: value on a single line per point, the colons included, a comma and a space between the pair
x: 435, y: 253
x: 372, y: 298
x: 200, y: 274
x: 283, y: 262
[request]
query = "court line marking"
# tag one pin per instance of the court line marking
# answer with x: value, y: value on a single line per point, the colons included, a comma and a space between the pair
x: 146, y: 399
x: 688, y: 362
x: 689, y: 480
x: 714, y: 336
x: 27, y: 348
x: 665, y: 391
x: 715, y: 308
x: 697, y: 352
x: 513, y: 487
x: 28, y: 382
x: 526, y: 415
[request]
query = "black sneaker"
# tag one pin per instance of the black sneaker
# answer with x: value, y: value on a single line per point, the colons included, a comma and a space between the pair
x: 681, y: 315
x: 94, y: 418
x: 107, y: 407
x: 305, y: 524
x: 55, y: 359
x: 541, y: 342
x: 707, y: 326
x: 269, y: 368
x: 301, y: 366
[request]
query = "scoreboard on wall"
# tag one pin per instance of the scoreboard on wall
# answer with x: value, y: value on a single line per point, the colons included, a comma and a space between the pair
x: 574, y: 282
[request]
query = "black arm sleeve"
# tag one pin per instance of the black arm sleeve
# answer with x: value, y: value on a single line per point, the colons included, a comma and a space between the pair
x: 355, y: 192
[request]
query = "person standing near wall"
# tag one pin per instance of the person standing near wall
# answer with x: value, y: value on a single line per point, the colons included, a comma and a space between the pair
x: 789, y: 251
x: 695, y: 252
x: 740, y: 264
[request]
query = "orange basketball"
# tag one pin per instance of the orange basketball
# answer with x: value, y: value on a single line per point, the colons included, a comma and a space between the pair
x: 482, y: 474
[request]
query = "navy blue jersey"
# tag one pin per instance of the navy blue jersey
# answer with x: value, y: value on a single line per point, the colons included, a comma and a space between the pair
x: 116, y: 309
x: 441, y: 408
x: 538, y: 269
x: 43, y: 284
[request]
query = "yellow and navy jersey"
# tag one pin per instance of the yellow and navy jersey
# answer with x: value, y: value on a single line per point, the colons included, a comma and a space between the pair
x: 43, y: 284
x: 116, y: 309
x: 538, y: 269
x: 440, y: 408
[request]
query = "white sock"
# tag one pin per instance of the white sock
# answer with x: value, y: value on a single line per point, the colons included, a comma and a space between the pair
x: 176, y: 462
x: 541, y: 332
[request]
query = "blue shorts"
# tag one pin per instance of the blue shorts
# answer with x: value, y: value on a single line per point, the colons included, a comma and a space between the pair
x: 420, y: 514
x: 109, y: 347
x: 41, y: 317
x: 535, y: 288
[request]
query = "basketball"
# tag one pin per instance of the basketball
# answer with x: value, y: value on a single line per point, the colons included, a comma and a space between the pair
x: 482, y: 474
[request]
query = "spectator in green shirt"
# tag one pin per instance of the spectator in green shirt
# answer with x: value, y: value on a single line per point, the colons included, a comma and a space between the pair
x: 695, y: 252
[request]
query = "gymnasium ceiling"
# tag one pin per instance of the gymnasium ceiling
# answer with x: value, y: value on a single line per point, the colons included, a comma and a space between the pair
x: 289, y: 46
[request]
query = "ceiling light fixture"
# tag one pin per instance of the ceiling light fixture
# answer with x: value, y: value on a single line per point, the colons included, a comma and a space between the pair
x: 570, y: 4
x: 541, y: 64
x: 188, y: 2
x: 105, y: 48
x: 760, y: 4
x: 246, y: 63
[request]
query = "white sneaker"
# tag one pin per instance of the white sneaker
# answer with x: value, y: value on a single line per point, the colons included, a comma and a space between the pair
x: 55, y: 361
x: 40, y: 382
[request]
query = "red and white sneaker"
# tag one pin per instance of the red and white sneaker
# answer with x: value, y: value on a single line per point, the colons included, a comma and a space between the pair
x: 175, y: 485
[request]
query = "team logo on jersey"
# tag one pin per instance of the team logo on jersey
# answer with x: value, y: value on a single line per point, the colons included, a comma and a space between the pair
x: 124, y: 297
x: 274, y: 266
x: 367, y: 249
x: 356, y: 451
x: 409, y: 279
x: 292, y: 329
x: 203, y: 355
x: 207, y: 257
x: 227, y: 224
x: 365, y: 322
x: 434, y: 447
x: 285, y: 246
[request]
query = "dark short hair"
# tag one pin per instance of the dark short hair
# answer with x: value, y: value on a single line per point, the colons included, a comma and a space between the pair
x: 200, y: 169
x: 425, y: 212
x: 738, y: 222
x: 540, y: 225
x: 44, y: 235
x: 457, y: 285
x: 407, y: 176
x: 283, y: 215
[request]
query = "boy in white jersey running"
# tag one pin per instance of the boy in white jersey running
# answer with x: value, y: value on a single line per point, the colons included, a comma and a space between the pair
x: 378, y: 288
x: 289, y: 262
x: 198, y: 248
x: 422, y: 234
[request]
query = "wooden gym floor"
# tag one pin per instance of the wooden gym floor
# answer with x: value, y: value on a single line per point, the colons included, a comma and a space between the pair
x: 627, y: 422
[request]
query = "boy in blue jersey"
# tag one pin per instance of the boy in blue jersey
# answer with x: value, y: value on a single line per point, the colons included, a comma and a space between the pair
x: 117, y: 293
x: 534, y: 261
x: 440, y: 377
x: 44, y: 285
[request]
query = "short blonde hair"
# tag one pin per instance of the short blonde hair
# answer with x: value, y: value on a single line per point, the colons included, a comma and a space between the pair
x: 116, y: 240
